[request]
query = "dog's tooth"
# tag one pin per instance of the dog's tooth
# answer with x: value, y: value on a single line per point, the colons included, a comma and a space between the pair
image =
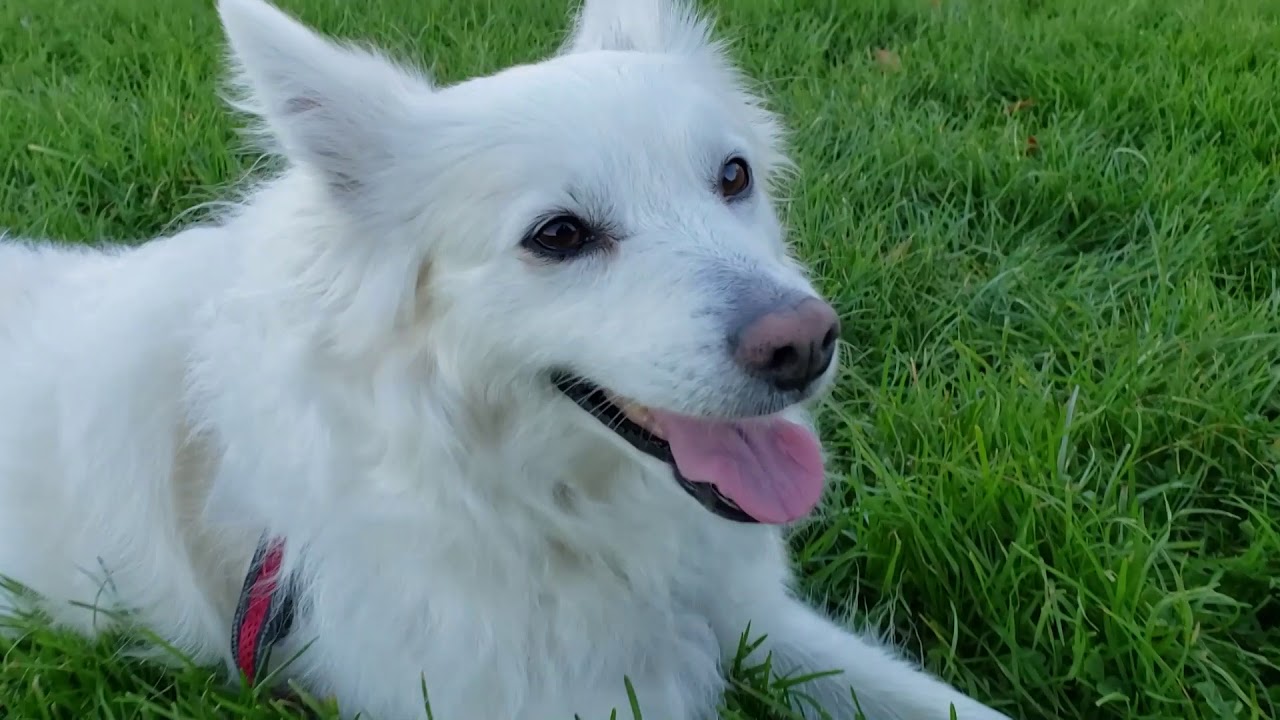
x: 639, y: 414
x: 645, y: 419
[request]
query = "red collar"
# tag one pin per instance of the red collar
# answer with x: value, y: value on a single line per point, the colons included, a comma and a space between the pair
x: 264, y: 615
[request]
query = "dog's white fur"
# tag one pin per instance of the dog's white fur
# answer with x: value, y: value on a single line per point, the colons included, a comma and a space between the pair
x: 353, y: 360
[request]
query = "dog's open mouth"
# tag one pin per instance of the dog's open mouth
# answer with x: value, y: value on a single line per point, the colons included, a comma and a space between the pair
x: 762, y: 470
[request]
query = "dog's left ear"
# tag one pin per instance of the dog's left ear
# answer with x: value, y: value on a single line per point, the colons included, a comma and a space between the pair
x: 655, y: 26
x: 332, y: 108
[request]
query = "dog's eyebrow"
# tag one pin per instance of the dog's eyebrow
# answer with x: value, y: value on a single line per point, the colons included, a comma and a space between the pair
x: 597, y: 211
x: 300, y: 104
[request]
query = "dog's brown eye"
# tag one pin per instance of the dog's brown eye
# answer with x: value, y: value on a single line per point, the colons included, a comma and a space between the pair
x: 735, y: 178
x: 560, y: 237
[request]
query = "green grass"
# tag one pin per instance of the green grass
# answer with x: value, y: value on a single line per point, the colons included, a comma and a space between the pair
x: 1057, y: 442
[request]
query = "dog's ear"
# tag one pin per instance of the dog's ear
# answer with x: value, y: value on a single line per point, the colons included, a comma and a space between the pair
x: 330, y: 107
x: 657, y: 26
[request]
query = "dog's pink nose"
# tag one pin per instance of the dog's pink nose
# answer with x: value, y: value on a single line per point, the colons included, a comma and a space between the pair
x: 789, y: 347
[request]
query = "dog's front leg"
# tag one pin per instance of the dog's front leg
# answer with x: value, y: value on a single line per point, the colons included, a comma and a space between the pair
x: 803, y: 642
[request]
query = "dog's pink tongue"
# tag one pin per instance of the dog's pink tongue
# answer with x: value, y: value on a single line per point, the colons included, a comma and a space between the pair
x: 770, y: 467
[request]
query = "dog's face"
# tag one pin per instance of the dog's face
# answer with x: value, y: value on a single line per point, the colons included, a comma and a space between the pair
x: 600, y: 222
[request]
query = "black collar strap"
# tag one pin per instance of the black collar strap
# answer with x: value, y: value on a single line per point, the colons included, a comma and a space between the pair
x: 264, y: 615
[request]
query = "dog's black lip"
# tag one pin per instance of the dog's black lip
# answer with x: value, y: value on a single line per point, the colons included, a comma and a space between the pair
x: 593, y: 399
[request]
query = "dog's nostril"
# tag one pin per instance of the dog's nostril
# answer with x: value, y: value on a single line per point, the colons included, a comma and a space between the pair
x: 829, y: 340
x: 782, y: 358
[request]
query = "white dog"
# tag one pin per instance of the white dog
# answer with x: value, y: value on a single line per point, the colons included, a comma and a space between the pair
x: 495, y: 387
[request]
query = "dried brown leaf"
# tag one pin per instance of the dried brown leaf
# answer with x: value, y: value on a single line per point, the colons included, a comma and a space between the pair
x: 1019, y: 106
x: 887, y: 60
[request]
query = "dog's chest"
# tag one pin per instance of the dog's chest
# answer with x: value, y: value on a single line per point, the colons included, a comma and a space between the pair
x: 522, y: 616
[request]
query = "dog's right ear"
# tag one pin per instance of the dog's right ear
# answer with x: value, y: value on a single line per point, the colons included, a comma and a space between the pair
x: 330, y: 107
x: 655, y: 26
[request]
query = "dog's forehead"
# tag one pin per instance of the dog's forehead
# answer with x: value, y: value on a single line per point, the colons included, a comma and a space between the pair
x: 608, y: 100
x: 624, y: 139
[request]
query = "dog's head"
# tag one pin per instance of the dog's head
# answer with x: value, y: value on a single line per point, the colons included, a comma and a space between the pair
x: 600, y: 222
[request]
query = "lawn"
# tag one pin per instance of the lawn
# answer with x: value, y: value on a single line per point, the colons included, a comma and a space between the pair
x: 1052, y: 228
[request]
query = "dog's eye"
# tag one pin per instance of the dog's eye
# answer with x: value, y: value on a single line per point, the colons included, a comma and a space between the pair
x: 735, y: 178
x: 560, y: 237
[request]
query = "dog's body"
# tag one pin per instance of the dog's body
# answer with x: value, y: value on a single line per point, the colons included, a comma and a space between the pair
x: 356, y: 360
